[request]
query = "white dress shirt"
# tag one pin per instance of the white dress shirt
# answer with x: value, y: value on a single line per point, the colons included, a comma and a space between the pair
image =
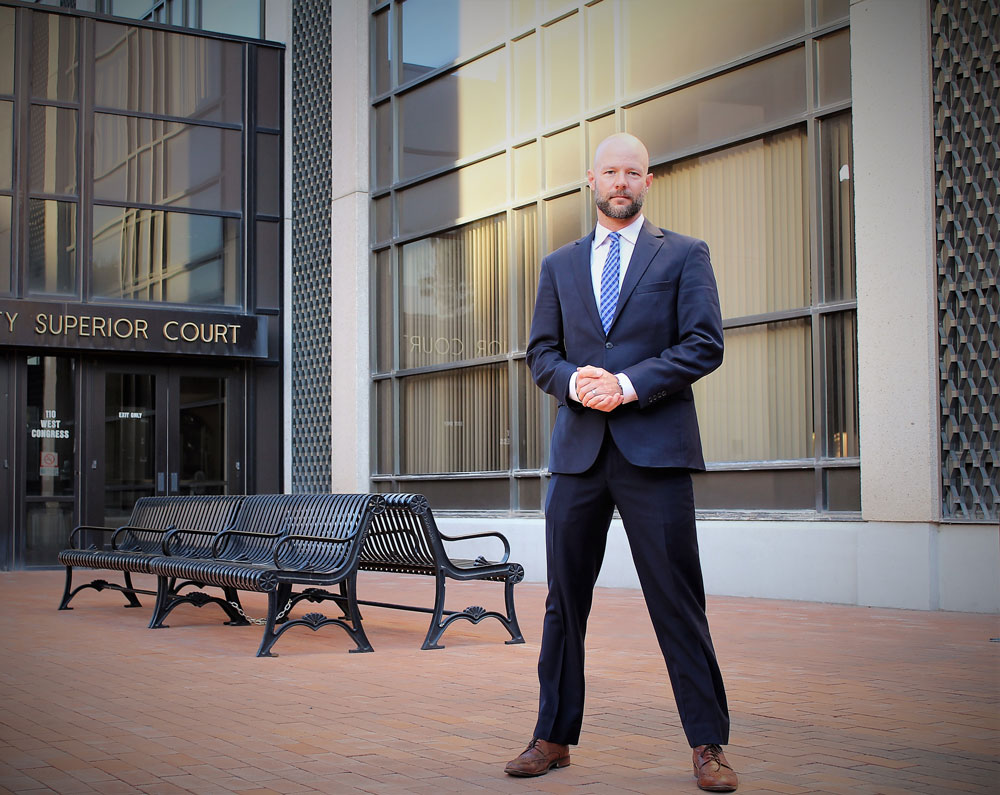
x: 627, y: 238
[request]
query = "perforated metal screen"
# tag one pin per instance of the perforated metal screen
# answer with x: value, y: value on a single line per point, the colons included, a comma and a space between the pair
x: 311, y: 199
x: 966, y: 50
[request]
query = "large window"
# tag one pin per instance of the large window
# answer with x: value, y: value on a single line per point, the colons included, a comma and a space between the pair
x: 132, y: 142
x: 483, y: 127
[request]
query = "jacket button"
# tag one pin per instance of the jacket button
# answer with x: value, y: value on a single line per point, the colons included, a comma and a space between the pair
x: 609, y: 345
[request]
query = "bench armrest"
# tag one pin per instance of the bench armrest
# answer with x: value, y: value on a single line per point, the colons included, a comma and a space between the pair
x: 75, y: 533
x: 173, y: 532
x: 129, y: 528
x: 503, y: 539
x: 224, y: 534
x: 304, y: 537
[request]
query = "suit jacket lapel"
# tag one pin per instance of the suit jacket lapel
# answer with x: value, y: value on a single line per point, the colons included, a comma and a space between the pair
x: 584, y: 281
x: 646, y: 245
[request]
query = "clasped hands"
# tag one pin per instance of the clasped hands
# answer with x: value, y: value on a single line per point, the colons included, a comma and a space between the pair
x: 598, y: 389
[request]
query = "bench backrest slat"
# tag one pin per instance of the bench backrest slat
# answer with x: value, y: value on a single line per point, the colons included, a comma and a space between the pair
x: 329, y: 516
x: 337, y: 516
x: 188, y: 512
x: 404, y: 532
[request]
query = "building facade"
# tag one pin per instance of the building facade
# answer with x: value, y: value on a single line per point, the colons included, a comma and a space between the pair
x: 839, y: 157
x: 141, y: 269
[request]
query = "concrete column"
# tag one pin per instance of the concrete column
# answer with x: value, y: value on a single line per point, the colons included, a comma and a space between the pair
x: 349, y: 256
x: 896, y: 270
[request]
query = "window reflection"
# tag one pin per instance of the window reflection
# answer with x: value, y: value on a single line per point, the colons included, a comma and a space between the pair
x: 6, y: 145
x: 152, y: 255
x: 667, y: 41
x: 150, y: 161
x: 525, y: 100
x: 469, y: 191
x: 562, y: 69
x: 5, y: 240
x: 453, y: 295
x: 834, y: 68
x: 153, y: 71
x: 51, y: 247
x: 724, y: 107
x: 6, y: 50
x: 53, y: 150
x: 454, y: 116
x: 54, y: 57
x: 437, y: 32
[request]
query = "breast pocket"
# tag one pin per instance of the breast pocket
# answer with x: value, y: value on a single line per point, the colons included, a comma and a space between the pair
x: 653, y: 287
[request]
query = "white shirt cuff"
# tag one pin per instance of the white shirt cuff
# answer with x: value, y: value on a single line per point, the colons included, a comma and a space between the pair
x: 628, y: 391
x: 572, y: 389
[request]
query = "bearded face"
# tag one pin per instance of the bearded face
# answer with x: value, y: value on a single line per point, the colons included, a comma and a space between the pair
x: 619, y: 209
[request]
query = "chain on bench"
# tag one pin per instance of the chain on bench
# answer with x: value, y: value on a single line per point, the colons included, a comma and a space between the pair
x: 262, y: 621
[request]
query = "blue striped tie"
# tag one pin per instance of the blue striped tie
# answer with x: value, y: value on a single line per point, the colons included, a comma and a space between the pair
x: 609, y: 283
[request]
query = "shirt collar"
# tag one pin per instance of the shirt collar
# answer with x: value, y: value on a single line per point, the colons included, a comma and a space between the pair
x: 630, y: 232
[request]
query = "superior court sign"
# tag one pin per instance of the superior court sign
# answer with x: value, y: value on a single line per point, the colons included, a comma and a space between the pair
x: 37, y: 324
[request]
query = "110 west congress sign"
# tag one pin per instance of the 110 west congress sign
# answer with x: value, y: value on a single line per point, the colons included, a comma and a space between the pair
x: 93, y: 327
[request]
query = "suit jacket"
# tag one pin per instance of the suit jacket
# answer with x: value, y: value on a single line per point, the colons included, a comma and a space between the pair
x: 666, y: 334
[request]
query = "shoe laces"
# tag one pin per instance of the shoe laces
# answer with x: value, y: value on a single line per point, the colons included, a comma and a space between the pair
x: 713, y: 753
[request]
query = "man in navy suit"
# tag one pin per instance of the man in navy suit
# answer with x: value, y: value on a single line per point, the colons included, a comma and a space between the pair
x: 626, y: 319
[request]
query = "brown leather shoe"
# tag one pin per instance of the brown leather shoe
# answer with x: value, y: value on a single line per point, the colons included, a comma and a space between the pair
x: 712, y: 769
x: 538, y: 759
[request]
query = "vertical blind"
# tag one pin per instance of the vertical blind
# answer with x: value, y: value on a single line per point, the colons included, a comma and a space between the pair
x: 455, y: 303
x: 749, y: 202
x: 454, y: 295
x: 456, y: 421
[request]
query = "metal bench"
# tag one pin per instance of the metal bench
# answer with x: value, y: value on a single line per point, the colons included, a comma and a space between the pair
x: 404, y: 539
x: 132, y: 546
x: 276, y: 541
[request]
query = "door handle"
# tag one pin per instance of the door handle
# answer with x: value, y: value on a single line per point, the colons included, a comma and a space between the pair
x: 173, y: 482
x: 161, y: 482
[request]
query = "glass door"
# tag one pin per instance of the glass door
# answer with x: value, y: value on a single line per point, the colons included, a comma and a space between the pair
x: 49, y: 457
x: 203, y: 458
x: 170, y: 430
x: 133, y: 442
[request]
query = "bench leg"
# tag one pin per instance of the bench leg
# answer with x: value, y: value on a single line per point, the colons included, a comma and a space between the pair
x: 277, y: 599
x: 472, y: 613
x: 270, y: 636
x: 68, y: 592
x: 437, y: 628
x: 168, y: 596
x: 511, y: 623
x: 133, y: 600
x: 164, y: 589
x: 98, y: 585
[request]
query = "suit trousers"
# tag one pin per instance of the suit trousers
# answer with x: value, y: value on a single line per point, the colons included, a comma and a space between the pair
x: 657, y: 509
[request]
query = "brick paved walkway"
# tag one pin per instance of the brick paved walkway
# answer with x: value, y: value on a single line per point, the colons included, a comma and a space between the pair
x: 824, y: 699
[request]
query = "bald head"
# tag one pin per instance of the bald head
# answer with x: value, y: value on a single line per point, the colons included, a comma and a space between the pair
x: 619, y: 179
x: 619, y: 146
